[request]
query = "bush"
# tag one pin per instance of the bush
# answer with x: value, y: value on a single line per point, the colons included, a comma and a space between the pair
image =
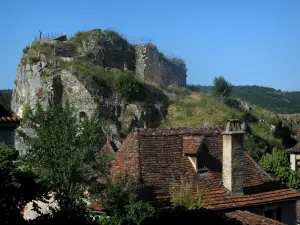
x: 26, y: 112
x: 42, y: 47
x: 26, y: 49
x: 121, y: 198
x: 127, y: 86
x: 183, y: 194
x: 34, y: 59
x: 278, y: 164
x: 46, y: 74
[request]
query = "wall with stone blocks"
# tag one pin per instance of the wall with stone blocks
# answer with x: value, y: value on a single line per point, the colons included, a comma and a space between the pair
x: 152, y: 65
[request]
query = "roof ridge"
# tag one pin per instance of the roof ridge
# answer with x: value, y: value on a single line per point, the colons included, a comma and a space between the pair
x: 218, y: 129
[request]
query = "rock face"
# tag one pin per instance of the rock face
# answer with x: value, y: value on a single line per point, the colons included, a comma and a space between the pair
x: 82, y: 71
x: 154, y: 66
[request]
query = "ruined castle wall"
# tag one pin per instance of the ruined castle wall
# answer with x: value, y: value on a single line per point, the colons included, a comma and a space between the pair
x: 152, y: 65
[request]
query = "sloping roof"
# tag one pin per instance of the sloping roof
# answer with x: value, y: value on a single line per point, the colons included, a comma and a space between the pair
x: 156, y: 156
x: 192, y: 144
x: 219, y: 199
x: 6, y: 115
x: 109, y: 148
x: 295, y: 149
x: 248, y: 218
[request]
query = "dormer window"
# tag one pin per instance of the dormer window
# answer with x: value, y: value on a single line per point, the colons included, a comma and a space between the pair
x: 195, y: 148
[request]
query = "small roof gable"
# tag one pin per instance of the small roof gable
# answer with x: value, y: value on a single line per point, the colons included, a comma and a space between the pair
x: 295, y: 149
x: 6, y: 115
x: 192, y: 145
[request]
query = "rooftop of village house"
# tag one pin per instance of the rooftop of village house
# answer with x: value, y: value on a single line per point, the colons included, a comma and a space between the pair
x: 157, y: 156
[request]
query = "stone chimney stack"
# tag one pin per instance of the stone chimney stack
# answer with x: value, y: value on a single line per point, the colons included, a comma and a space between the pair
x: 233, y: 157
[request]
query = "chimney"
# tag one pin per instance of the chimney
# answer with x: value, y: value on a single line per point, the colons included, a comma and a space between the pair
x: 233, y: 155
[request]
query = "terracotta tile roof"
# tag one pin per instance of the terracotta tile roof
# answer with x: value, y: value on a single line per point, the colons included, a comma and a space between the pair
x: 295, y: 149
x: 248, y: 218
x: 6, y: 115
x: 192, y: 144
x: 220, y: 199
x: 155, y: 156
x: 97, y: 206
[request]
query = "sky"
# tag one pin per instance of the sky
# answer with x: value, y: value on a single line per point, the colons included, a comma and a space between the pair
x: 249, y: 42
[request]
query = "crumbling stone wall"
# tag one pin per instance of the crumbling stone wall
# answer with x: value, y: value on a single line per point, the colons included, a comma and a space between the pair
x: 152, y: 65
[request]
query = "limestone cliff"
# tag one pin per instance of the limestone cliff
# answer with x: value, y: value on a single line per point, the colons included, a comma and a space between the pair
x: 83, y: 70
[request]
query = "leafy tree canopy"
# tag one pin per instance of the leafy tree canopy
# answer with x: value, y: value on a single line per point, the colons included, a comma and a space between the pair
x: 222, y: 88
x: 277, y: 163
x: 121, y: 199
x: 64, y: 151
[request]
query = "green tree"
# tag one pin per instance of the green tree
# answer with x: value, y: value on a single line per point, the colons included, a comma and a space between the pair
x: 17, y: 187
x: 121, y: 199
x: 277, y: 163
x: 277, y: 159
x: 65, y: 152
x: 222, y: 88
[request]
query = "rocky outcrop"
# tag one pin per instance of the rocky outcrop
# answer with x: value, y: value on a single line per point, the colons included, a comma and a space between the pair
x: 152, y: 65
x: 78, y: 71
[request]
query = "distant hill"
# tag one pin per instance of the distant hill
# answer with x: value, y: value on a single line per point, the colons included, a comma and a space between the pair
x: 7, y: 94
x: 269, y: 98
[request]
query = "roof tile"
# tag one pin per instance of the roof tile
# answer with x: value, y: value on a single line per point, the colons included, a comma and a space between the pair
x: 156, y: 157
x: 248, y: 218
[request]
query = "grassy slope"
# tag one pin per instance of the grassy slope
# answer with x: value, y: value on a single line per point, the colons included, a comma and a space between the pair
x: 199, y: 110
x: 269, y: 98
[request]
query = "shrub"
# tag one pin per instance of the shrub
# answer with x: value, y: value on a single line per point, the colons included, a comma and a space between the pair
x: 183, y: 194
x: 277, y: 163
x: 122, y: 199
x: 46, y: 74
x: 79, y: 37
x: 26, y: 112
x: 42, y: 47
x: 127, y: 86
x: 34, y: 59
x: 26, y: 49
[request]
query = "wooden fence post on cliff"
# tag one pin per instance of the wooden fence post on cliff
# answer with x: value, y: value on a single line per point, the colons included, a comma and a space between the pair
x: 40, y: 34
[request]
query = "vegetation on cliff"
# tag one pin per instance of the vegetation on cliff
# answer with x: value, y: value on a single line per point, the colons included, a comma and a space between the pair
x: 274, y: 100
x: 203, y: 109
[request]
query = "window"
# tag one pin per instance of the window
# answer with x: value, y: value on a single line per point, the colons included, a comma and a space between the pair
x: 274, y: 214
x: 298, y: 165
x: 202, y: 160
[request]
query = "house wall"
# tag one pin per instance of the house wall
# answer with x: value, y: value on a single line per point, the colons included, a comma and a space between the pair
x: 7, y: 135
x: 289, y: 211
x: 293, y: 161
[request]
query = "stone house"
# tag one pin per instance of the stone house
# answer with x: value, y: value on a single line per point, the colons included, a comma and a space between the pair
x: 212, y: 159
x: 9, y: 121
